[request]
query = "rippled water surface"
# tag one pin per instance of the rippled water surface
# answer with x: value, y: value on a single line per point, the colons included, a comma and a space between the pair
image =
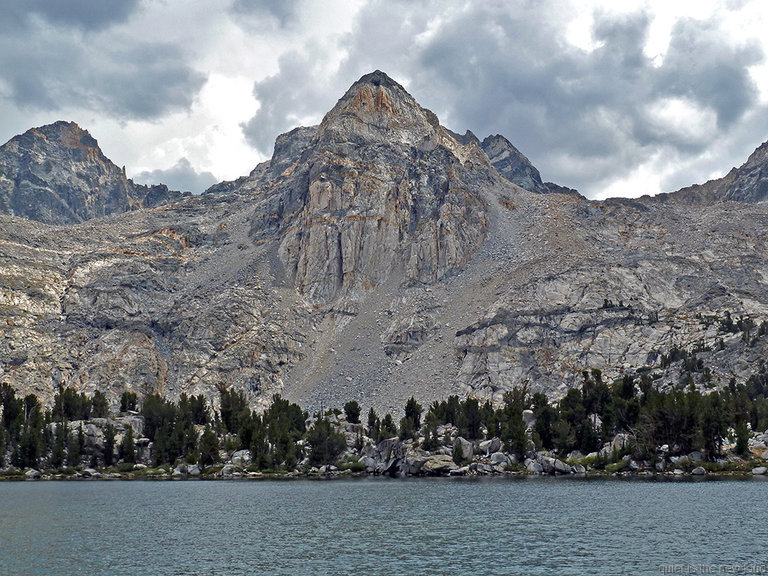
x: 376, y: 526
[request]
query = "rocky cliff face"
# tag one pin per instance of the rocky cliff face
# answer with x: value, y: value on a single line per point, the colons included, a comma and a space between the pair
x: 58, y: 175
x: 378, y: 256
x: 378, y: 186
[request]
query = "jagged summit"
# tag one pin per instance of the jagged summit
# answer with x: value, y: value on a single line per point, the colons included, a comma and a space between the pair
x: 747, y: 183
x: 57, y: 174
x: 378, y: 109
x: 379, y: 78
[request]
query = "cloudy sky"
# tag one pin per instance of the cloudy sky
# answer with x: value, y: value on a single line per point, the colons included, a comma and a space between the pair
x: 613, y: 98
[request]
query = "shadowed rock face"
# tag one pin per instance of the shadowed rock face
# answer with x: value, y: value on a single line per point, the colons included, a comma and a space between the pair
x: 58, y: 175
x: 512, y: 164
x: 374, y: 257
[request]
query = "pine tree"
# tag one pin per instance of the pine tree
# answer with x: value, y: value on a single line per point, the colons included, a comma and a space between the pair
x: 208, y: 447
x: 76, y: 447
x: 388, y: 428
x: 128, y: 401
x: 59, y: 445
x: 352, y: 411
x: 413, y: 412
x: 372, y: 420
x: 3, y: 445
x: 742, y: 437
x: 109, y: 445
x: 127, y: 448
x: 99, y: 405
x: 326, y: 442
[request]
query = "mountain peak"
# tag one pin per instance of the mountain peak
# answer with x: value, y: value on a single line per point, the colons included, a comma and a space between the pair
x: 65, y: 135
x: 378, y: 78
x: 57, y: 174
x: 378, y: 109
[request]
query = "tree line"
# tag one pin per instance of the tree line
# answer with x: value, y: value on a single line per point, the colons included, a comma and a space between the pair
x: 191, y: 430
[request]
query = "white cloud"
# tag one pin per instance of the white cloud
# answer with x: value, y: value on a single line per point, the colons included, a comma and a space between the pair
x: 597, y: 93
x: 681, y: 120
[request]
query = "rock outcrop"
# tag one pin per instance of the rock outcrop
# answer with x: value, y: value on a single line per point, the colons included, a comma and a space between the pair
x: 512, y: 164
x: 57, y: 174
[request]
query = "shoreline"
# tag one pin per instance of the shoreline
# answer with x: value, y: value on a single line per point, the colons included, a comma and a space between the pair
x: 101, y: 476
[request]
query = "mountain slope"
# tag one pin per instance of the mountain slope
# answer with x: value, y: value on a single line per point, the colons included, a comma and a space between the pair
x: 378, y: 256
x: 57, y: 174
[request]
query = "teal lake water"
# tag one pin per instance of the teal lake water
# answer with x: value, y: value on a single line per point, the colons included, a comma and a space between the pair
x: 378, y: 526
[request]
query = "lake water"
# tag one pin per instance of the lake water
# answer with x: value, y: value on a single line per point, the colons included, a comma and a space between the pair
x: 379, y: 526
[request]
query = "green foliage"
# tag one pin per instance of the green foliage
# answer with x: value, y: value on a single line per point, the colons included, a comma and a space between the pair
x: 234, y: 409
x: 13, y: 414
x: 352, y: 464
x: 619, y: 466
x: 431, y: 442
x: 109, y: 444
x: 513, y: 432
x: 458, y: 454
x: 259, y: 445
x: 286, y: 424
x: 326, y: 443
x: 445, y: 412
x: 158, y: 413
x: 198, y: 406
x: 352, y: 412
x: 470, y: 420
x: 411, y: 422
x: 413, y: 411
x: 127, y: 448
x: 388, y: 428
x: 69, y: 405
x: 28, y: 449
x: 76, y: 447
x: 3, y: 446
x: 546, y: 416
x: 372, y: 420
x: 713, y: 423
x: 99, y: 405
x: 209, y: 447
x: 128, y: 401
x: 59, y: 445
x: 742, y: 438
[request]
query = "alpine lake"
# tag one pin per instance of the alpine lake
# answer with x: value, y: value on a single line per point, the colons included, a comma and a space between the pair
x: 525, y: 526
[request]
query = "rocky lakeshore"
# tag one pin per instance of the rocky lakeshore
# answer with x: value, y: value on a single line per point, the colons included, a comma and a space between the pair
x: 397, y: 458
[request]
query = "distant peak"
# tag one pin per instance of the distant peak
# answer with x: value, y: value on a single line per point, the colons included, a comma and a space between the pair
x: 65, y: 132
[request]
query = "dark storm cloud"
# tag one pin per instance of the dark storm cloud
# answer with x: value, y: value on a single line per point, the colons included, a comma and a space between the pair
x: 87, y: 14
x: 284, y: 98
x: 282, y: 11
x: 700, y: 65
x: 585, y: 114
x: 585, y: 118
x: 45, y: 67
x: 181, y: 176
